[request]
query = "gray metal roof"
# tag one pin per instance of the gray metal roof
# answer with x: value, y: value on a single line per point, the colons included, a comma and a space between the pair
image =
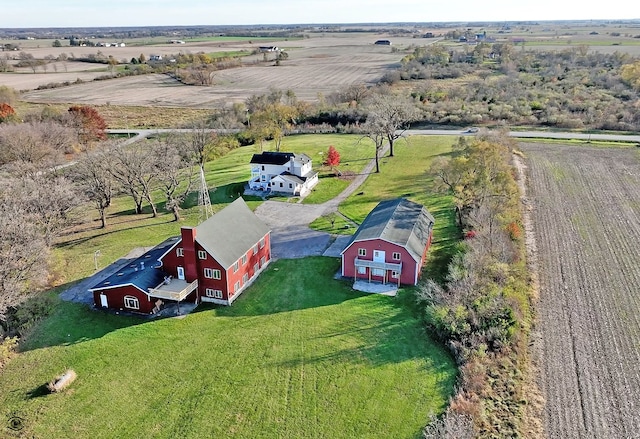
x: 230, y: 233
x: 400, y: 222
x: 140, y: 272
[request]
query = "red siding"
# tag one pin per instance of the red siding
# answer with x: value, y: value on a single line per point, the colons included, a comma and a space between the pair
x: 189, y: 246
x: 171, y: 261
x: 203, y: 282
x: 408, y: 274
x: 115, y: 298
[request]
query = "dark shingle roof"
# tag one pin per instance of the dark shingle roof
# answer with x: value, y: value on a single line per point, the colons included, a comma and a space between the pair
x: 230, y: 233
x: 272, y: 158
x: 399, y: 221
x: 133, y: 273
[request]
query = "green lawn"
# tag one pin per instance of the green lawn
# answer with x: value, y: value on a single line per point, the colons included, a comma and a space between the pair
x: 299, y: 355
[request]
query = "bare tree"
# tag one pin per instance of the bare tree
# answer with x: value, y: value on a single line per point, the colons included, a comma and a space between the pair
x: 92, y: 172
x: 23, y: 255
x: 127, y: 164
x: 391, y: 114
x: 375, y: 130
x: 50, y: 201
x: 38, y: 143
x: 174, y: 172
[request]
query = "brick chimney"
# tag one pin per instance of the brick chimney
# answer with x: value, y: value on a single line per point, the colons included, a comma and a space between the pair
x: 189, y: 252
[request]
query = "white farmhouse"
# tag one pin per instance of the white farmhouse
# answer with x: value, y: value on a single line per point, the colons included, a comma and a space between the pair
x: 283, y: 172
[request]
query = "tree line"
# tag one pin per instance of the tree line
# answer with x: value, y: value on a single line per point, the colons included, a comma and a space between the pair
x: 481, y: 310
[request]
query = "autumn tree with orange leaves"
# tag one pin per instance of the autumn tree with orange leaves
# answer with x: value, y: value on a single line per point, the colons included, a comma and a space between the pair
x: 89, y: 124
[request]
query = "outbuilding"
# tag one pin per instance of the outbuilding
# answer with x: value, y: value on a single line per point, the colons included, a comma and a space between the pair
x: 391, y: 244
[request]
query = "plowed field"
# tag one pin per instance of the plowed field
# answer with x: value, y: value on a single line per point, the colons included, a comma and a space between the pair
x: 586, y: 214
x: 319, y: 65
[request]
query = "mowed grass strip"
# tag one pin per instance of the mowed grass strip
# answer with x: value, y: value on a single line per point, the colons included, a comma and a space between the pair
x: 299, y: 355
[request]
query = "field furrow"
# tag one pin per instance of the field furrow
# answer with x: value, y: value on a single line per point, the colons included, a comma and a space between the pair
x: 586, y: 210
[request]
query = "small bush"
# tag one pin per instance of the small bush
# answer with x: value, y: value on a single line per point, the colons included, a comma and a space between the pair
x: 8, y: 347
x: 23, y: 317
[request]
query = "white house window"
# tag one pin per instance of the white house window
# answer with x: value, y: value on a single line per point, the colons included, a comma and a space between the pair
x: 263, y: 167
x: 262, y: 243
x: 395, y: 274
x: 179, y: 251
x: 396, y: 256
x: 244, y: 259
x: 362, y: 270
x: 377, y: 272
x: 211, y: 273
x: 280, y: 184
x: 256, y: 268
x: 264, y: 178
x: 245, y: 278
x: 236, y: 287
x: 255, y: 249
x: 131, y: 302
x: 263, y: 260
x: 290, y: 186
x: 216, y: 294
x: 202, y: 254
x: 236, y: 266
x: 362, y: 252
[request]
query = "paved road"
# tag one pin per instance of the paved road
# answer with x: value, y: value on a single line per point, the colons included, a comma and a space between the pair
x: 140, y: 134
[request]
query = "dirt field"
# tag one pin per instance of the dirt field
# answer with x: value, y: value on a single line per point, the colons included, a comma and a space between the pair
x: 321, y: 64
x: 586, y: 213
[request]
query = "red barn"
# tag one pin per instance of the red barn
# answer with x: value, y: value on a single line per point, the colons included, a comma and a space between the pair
x: 391, y: 244
x: 213, y: 262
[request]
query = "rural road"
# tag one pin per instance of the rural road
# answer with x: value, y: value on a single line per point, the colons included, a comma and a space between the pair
x: 564, y: 135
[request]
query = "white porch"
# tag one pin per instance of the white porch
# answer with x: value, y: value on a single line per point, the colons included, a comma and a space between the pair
x: 385, y: 270
x: 173, y: 289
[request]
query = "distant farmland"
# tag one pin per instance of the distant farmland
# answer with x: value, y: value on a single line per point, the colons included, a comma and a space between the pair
x: 316, y: 66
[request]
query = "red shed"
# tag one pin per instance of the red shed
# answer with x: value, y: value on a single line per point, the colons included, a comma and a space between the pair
x: 391, y: 244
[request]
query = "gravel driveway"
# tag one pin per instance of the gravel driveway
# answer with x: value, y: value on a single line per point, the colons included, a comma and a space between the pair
x: 291, y: 236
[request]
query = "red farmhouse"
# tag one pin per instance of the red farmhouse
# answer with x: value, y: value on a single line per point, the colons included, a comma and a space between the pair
x: 391, y: 245
x: 213, y: 262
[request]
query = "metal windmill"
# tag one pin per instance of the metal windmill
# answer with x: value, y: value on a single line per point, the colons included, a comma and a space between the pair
x: 204, y: 202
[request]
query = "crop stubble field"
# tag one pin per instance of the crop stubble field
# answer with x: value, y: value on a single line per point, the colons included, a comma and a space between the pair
x: 586, y: 215
x: 316, y: 65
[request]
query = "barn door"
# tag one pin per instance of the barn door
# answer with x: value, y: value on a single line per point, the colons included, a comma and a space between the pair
x: 378, y: 256
x: 103, y: 300
x: 181, y: 273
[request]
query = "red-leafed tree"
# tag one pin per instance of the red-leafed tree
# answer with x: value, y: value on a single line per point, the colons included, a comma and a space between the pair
x: 333, y: 157
x: 89, y: 123
x: 6, y: 112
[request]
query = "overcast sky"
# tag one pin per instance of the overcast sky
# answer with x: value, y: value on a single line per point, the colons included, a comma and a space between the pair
x: 83, y: 13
